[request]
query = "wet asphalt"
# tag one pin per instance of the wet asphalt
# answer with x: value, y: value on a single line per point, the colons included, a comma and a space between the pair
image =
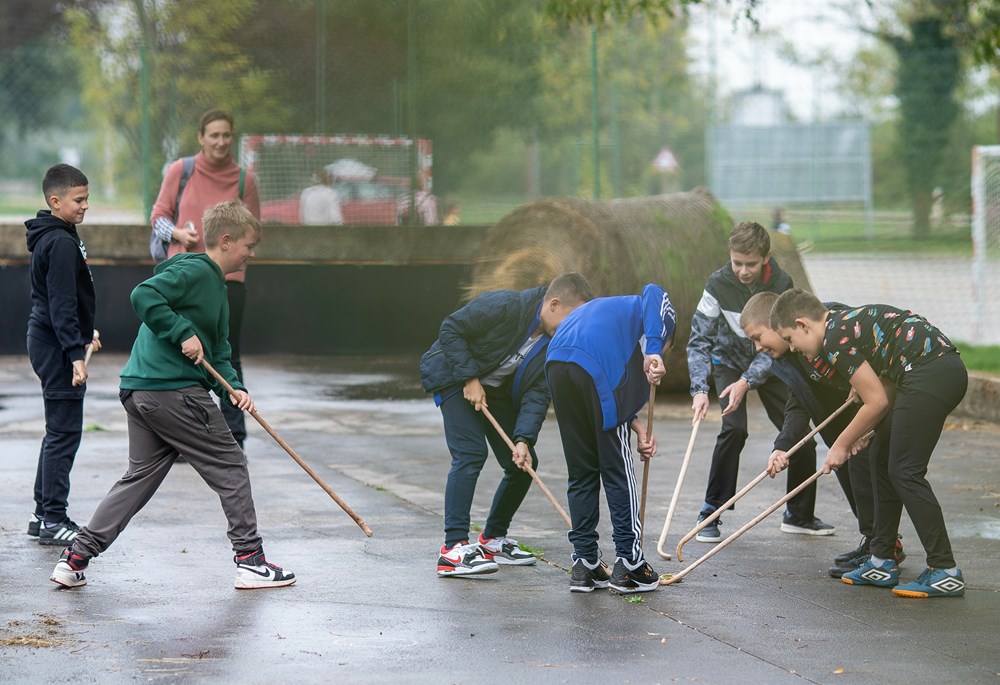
x: 160, y: 605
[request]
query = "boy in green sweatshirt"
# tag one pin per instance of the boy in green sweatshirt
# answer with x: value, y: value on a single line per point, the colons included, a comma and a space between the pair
x: 185, y: 317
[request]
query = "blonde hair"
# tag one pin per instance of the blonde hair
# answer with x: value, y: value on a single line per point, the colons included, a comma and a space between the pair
x: 230, y: 217
x: 757, y: 310
x: 796, y: 304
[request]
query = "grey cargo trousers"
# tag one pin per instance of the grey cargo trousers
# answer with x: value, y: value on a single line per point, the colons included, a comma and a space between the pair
x: 163, y: 424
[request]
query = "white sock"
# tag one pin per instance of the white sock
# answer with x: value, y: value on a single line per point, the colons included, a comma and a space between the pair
x: 877, y: 561
x: 953, y: 571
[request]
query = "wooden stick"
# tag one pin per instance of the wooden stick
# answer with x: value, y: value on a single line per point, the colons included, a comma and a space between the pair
x: 676, y: 578
x: 531, y: 471
x: 534, y: 476
x: 291, y: 452
x: 90, y: 349
x: 645, y: 464
x: 795, y: 448
x: 677, y: 492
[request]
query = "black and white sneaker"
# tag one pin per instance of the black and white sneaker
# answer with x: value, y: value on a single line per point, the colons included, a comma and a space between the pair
x: 57, y: 533
x: 253, y: 572
x: 789, y: 524
x: 507, y: 551
x: 711, y: 532
x: 587, y: 578
x: 638, y: 577
x: 861, y: 550
x: 69, y: 570
x: 34, y: 525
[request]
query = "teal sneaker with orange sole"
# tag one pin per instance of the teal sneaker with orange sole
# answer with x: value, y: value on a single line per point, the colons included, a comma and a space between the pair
x: 933, y: 582
x: 885, y: 574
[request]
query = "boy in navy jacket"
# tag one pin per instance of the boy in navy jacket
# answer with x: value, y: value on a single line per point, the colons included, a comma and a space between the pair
x: 814, y: 393
x: 600, y: 365
x: 60, y: 327
x: 490, y: 353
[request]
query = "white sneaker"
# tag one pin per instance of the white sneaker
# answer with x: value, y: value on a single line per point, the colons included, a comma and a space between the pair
x: 253, y: 572
x: 69, y: 571
x: 506, y: 551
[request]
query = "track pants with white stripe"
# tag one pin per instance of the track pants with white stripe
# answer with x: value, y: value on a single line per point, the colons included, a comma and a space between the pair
x: 594, y: 455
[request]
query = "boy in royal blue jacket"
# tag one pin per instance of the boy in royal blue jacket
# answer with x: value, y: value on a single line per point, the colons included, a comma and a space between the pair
x: 490, y: 353
x: 600, y: 365
x: 61, y: 325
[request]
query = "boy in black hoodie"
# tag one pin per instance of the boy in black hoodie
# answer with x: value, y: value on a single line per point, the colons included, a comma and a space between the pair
x: 60, y: 327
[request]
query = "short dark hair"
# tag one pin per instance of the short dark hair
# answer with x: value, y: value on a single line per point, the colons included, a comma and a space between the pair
x: 758, y: 309
x: 571, y: 288
x: 796, y: 304
x: 214, y: 115
x: 749, y: 237
x: 230, y: 217
x: 60, y: 178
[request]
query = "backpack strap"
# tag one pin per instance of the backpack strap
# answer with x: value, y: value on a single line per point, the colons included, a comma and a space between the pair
x: 186, y: 170
x: 243, y: 176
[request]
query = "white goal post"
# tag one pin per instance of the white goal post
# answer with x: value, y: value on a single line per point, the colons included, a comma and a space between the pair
x: 985, y: 225
x: 372, y: 175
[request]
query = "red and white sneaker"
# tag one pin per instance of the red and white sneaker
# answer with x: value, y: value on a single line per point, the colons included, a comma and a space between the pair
x: 507, y: 551
x: 463, y: 559
x: 253, y: 572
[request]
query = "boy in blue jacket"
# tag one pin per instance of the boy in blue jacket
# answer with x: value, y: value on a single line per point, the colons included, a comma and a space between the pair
x: 490, y: 353
x: 600, y: 365
x: 61, y: 325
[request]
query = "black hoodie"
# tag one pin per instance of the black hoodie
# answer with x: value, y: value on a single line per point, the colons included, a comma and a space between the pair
x: 63, y: 301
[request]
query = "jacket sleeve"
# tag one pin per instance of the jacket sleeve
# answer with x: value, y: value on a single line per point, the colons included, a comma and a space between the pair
x: 60, y: 280
x: 658, y: 318
x: 759, y: 370
x: 151, y: 301
x: 166, y: 201
x: 534, y: 407
x: 699, y: 347
x: 794, y: 427
x: 471, y: 321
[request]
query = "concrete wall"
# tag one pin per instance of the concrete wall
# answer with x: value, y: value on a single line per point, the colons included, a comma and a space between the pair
x: 311, y: 290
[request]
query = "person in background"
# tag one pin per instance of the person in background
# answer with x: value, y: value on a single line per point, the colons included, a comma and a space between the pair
x: 215, y: 177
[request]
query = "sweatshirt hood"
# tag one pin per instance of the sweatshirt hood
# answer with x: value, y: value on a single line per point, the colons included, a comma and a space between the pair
x: 185, y: 259
x: 44, y: 223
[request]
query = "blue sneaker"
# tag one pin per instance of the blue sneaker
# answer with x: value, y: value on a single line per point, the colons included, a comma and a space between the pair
x: 933, y: 582
x: 709, y: 533
x: 885, y: 574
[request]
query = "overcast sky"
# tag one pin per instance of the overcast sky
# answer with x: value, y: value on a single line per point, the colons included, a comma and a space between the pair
x: 744, y: 59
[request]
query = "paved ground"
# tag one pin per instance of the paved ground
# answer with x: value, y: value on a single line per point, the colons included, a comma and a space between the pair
x: 160, y: 605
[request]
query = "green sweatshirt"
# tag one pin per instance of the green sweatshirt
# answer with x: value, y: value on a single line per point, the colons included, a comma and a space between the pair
x: 186, y: 296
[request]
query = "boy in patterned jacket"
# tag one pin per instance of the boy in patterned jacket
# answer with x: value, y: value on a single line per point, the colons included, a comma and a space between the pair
x: 718, y: 347
x: 869, y: 346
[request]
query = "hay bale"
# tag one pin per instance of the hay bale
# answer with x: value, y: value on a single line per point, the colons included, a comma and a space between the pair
x: 674, y: 240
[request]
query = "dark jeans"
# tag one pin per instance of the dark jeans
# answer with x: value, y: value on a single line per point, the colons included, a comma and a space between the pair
x: 467, y: 432
x: 236, y: 293
x: 63, y: 428
x: 594, y: 455
x: 901, y: 451
x: 726, y: 458
x: 163, y: 424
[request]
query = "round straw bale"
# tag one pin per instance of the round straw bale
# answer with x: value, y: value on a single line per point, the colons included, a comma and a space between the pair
x: 674, y: 240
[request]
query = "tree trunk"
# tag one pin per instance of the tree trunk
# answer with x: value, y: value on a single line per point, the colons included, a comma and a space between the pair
x: 921, y: 216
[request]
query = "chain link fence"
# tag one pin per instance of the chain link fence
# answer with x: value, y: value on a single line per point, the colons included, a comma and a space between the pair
x: 514, y: 107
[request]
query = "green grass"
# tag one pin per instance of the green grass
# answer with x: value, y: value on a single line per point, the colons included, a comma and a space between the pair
x: 537, y: 551
x: 984, y: 358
